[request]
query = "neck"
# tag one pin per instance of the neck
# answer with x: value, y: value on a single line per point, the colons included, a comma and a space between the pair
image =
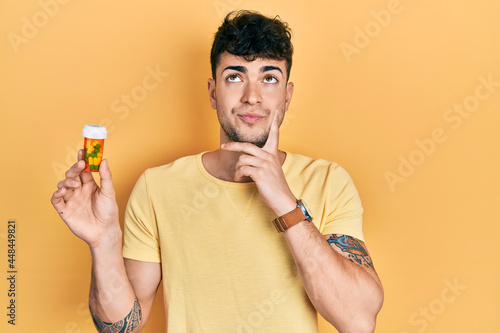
x: 221, y: 164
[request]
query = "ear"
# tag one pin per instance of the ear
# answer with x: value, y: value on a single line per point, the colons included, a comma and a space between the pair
x: 211, y: 93
x: 289, y: 93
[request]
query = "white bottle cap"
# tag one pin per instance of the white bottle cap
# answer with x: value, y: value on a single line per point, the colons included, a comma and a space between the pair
x: 94, y: 132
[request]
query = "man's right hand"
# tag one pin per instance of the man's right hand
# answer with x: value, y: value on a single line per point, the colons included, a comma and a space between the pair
x: 90, y: 211
x: 119, y: 288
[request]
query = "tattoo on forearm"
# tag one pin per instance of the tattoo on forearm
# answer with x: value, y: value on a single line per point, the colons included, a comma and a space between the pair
x: 127, y: 324
x: 351, y: 245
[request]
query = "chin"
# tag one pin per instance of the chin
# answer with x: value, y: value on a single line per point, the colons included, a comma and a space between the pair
x: 234, y: 135
x: 259, y: 142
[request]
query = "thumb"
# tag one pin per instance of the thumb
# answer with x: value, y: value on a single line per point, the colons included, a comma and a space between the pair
x: 106, y: 179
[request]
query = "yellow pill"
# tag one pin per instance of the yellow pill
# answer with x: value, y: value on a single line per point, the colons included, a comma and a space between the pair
x: 99, y: 155
x: 97, y: 160
x: 91, y: 160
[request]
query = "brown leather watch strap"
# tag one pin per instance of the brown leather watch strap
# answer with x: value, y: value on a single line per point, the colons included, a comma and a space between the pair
x: 290, y: 219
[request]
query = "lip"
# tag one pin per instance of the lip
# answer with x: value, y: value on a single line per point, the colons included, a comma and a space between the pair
x: 250, y: 118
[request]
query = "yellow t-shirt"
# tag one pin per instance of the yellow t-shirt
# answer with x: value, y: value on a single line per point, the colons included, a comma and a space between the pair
x: 225, y: 267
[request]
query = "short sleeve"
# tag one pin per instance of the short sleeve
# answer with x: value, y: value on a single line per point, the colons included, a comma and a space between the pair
x: 140, y: 228
x: 343, y: 206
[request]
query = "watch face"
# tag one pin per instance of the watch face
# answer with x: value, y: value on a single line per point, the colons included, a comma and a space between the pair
x: 306, y: 211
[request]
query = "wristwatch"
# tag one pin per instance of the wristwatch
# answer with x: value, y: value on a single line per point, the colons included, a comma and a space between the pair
x: 299, y: 214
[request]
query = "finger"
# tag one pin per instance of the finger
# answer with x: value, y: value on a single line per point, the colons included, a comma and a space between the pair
x: 244, y: 171
x: 106, y: 180
x: 57, y: 200
x: 85, y: 176
x: 69, y: 184
x: 242, y: 147
x: 249, y: 160
x: 273, y: 138
x: 75, y: 170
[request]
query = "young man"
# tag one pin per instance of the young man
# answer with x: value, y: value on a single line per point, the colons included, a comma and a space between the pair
x: 228, y: 231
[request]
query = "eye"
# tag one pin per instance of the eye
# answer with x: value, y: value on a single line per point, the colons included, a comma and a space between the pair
x: 233, y: 78
x: 270, y: 79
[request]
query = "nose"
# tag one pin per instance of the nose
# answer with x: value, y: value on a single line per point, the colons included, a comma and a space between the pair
x: 251, y: 94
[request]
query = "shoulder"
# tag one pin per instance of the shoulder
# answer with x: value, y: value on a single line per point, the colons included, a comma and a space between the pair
x: 297, y: 165
x: 177, y: 168
x: 167, y: 178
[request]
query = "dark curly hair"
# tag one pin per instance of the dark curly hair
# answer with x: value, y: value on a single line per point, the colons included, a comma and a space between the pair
x: 252, y: 35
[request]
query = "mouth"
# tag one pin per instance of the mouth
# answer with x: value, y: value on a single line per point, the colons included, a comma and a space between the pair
x: 250, y: 118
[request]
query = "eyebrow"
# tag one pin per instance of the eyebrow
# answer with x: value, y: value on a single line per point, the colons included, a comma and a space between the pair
x: 236, y: 68
x: 270, y: 68
x: 243, y: 69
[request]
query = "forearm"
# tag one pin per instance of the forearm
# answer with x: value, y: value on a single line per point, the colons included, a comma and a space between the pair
x: 112, y: 298
x: 343, y: 292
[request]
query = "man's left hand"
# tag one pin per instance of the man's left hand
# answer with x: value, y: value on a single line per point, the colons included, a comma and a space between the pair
x: 264, y: 167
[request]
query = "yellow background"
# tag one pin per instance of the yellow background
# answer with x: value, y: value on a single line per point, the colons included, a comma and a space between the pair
x: 433, y: 227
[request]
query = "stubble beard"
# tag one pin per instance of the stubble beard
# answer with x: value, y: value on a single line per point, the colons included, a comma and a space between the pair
x: 235, y: 135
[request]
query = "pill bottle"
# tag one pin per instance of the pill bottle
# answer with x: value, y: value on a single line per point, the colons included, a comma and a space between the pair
x: 93, y: 146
